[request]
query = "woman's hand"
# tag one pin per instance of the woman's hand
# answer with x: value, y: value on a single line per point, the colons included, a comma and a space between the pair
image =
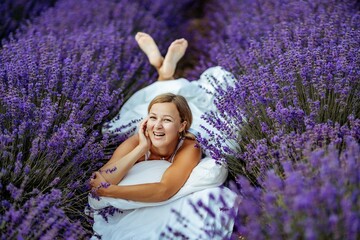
x: 98, y: 183
x: 144, y: 140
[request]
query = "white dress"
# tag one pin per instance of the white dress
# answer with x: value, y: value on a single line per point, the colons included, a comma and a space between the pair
x: 201, y: 209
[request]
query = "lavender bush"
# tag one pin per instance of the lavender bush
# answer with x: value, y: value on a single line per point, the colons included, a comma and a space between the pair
x: 61, y: 78
x: 292, y: 114
x: 13, y: 13
x: 236, y: 24
x: 114, y: 32
x: 20, y: 216
x: 316, y: 198
x: 298, y: 76
x: 291, y: 118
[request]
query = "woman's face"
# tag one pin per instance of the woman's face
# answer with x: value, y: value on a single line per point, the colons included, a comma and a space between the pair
x: 164, y: 124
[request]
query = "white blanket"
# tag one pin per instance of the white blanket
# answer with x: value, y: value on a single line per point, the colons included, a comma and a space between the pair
x: 206, y: 174
x: 185, y: 215
x: 140, y: 220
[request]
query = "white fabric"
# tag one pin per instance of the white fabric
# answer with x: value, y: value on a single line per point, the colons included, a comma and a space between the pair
x: 150, y: 222
x: 199, y: 95
x: 141, y: 220
x: 205, y: 175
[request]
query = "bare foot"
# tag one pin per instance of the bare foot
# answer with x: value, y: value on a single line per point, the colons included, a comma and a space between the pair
x: 175, y: 52
x: 149, y: 47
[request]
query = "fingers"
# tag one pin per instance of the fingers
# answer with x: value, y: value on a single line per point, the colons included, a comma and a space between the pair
x: 94, y: 175
x: 143, y: 127
x: 93, y: 179
x: 97, y: 183
x: 144, y: 137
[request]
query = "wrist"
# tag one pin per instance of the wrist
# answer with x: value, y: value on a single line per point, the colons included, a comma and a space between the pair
x: 109, y: 191
x: 103, y: 189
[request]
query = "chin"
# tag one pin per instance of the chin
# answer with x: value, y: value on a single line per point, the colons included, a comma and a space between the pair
x: 161, y: 142
x: 158, y: 142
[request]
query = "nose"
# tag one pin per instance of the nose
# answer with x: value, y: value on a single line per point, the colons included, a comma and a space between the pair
x: 158, y: 124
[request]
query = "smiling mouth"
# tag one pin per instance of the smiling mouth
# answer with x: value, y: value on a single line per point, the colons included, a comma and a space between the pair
x: 159, y: 134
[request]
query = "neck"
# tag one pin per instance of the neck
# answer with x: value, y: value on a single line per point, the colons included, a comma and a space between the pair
x: 163, y: 153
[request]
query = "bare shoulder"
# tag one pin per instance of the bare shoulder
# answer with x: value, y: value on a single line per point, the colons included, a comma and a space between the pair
x: 185, y: 161
x: 189, y: 151
x: 191, y: 143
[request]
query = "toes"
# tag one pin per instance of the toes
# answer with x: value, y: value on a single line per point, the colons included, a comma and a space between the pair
x: 181, y: 41
x: 139, y: 35
x: 178, y: 41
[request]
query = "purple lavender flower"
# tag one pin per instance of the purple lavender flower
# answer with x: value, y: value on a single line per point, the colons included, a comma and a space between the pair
x: 22, y: 220
x: 14, y: 13
x: 61, y: 77
x: 296, y: 90
x: 312, y: 199
x: 288, y: 79
x: 108, y: 211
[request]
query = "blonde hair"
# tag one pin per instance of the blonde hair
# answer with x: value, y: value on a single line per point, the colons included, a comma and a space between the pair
x: 182, y: 107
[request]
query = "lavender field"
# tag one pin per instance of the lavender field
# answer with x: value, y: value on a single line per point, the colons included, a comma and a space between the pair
x: 292, y: 118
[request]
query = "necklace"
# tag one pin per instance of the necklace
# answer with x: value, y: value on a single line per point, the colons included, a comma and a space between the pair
x: 164, y: 158
x: 168, y: 158
x: 158, y: 156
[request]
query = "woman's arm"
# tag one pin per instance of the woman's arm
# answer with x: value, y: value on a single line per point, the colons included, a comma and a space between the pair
x: 125, y: 156
x: 172, y: 180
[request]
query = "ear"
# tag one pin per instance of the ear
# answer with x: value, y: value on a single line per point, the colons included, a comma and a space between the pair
x: 183, y: 126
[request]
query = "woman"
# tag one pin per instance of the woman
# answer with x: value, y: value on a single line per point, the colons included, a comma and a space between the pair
x: 157, y: 176
x: 162, y: 135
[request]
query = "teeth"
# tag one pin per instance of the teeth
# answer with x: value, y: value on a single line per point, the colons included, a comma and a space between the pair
x: 159, y: 134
